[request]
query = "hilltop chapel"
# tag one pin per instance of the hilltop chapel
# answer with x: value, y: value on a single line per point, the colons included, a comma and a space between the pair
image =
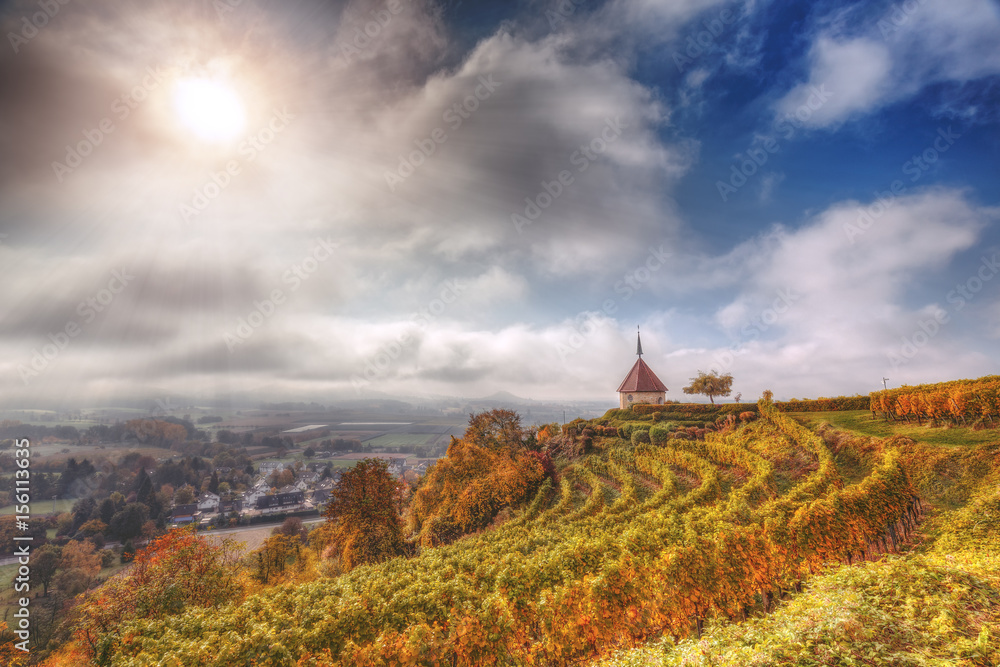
x: 641, y: 384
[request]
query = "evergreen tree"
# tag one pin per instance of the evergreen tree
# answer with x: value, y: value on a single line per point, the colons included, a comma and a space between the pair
x: 107, y: 510
x: 144, y: 487
x: 68, y: 477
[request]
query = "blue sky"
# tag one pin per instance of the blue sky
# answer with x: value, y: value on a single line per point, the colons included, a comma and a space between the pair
x: 475, y: 197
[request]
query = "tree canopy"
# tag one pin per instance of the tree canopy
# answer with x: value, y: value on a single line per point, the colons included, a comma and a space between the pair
x: 489, y: 469
x: 496, y: 429
x: 711, y: 385
x: 364, y: 512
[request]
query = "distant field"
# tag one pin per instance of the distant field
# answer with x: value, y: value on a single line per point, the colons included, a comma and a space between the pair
x: 354, y: 458
x: 41, y: 507
x: 8, y: 596
x: 79, y: 424
x: 303, y: 429
x: 251, y: 539
x: 401, y: 439
x: 49, y: 448
x: 341, y: 463
x: 258, y: 421
x: 861, y: 422
x: 313, y: 441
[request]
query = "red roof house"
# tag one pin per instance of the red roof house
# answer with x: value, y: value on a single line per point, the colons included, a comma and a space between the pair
x: 641, y: 384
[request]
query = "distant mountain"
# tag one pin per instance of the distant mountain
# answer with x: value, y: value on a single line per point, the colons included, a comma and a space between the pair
x: 502, y: 396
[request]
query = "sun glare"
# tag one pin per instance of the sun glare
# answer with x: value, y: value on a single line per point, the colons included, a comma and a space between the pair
x: 209, y: 109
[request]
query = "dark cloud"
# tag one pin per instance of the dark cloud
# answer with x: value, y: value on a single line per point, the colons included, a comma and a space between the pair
x: 49, y: 97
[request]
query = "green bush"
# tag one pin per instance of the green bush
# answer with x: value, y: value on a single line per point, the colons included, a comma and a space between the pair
x: 626, y: 430
x: 660, y: 432
x: 640, y: 436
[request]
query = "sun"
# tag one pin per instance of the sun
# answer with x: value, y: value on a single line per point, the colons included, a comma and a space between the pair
x: 210, y: 109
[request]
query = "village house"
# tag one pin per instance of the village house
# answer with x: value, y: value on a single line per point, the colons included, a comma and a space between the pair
x: 208, y: 502
x: 396, y: 467
x: 321, y: 496
x: 280, y: 502
x: 309, y: 477
x: 258, y: 490
x: 231, y: 506
x: 265, y: 468
x: 186, y: 513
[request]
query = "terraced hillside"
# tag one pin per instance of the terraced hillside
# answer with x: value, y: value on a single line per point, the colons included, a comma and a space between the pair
x: 635, y: 539
x: 936, y: 603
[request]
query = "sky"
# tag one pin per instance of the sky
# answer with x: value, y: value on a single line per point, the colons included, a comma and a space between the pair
x: 323, y: 201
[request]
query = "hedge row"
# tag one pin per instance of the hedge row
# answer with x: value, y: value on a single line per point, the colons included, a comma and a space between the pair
x: 681, y: 411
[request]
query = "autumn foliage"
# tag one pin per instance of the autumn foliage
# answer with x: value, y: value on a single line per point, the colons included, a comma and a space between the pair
x: 490, y: 468
x: 155, y: 431
x: 364, y: 515
x: 175, y: 572
x: 966, y: 402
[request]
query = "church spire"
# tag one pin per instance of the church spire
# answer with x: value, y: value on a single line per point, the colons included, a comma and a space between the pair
x: 638, y: 343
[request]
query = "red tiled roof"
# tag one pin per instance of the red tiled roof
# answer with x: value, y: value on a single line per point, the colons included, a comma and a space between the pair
x: 641, y: 378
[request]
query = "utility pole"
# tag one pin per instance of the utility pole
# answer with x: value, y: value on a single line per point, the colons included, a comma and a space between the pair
x: 884, y: 380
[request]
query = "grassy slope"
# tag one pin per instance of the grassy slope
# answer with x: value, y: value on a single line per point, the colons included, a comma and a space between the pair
x: 42, y: 507
x: 938, y: 604
x: 861, y: 422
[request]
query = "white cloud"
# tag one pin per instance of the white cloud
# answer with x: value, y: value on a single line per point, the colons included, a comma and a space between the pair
x: 807, y: 309
x: 894, y: 56
x: 815, y: 305
x: 852, y: 75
